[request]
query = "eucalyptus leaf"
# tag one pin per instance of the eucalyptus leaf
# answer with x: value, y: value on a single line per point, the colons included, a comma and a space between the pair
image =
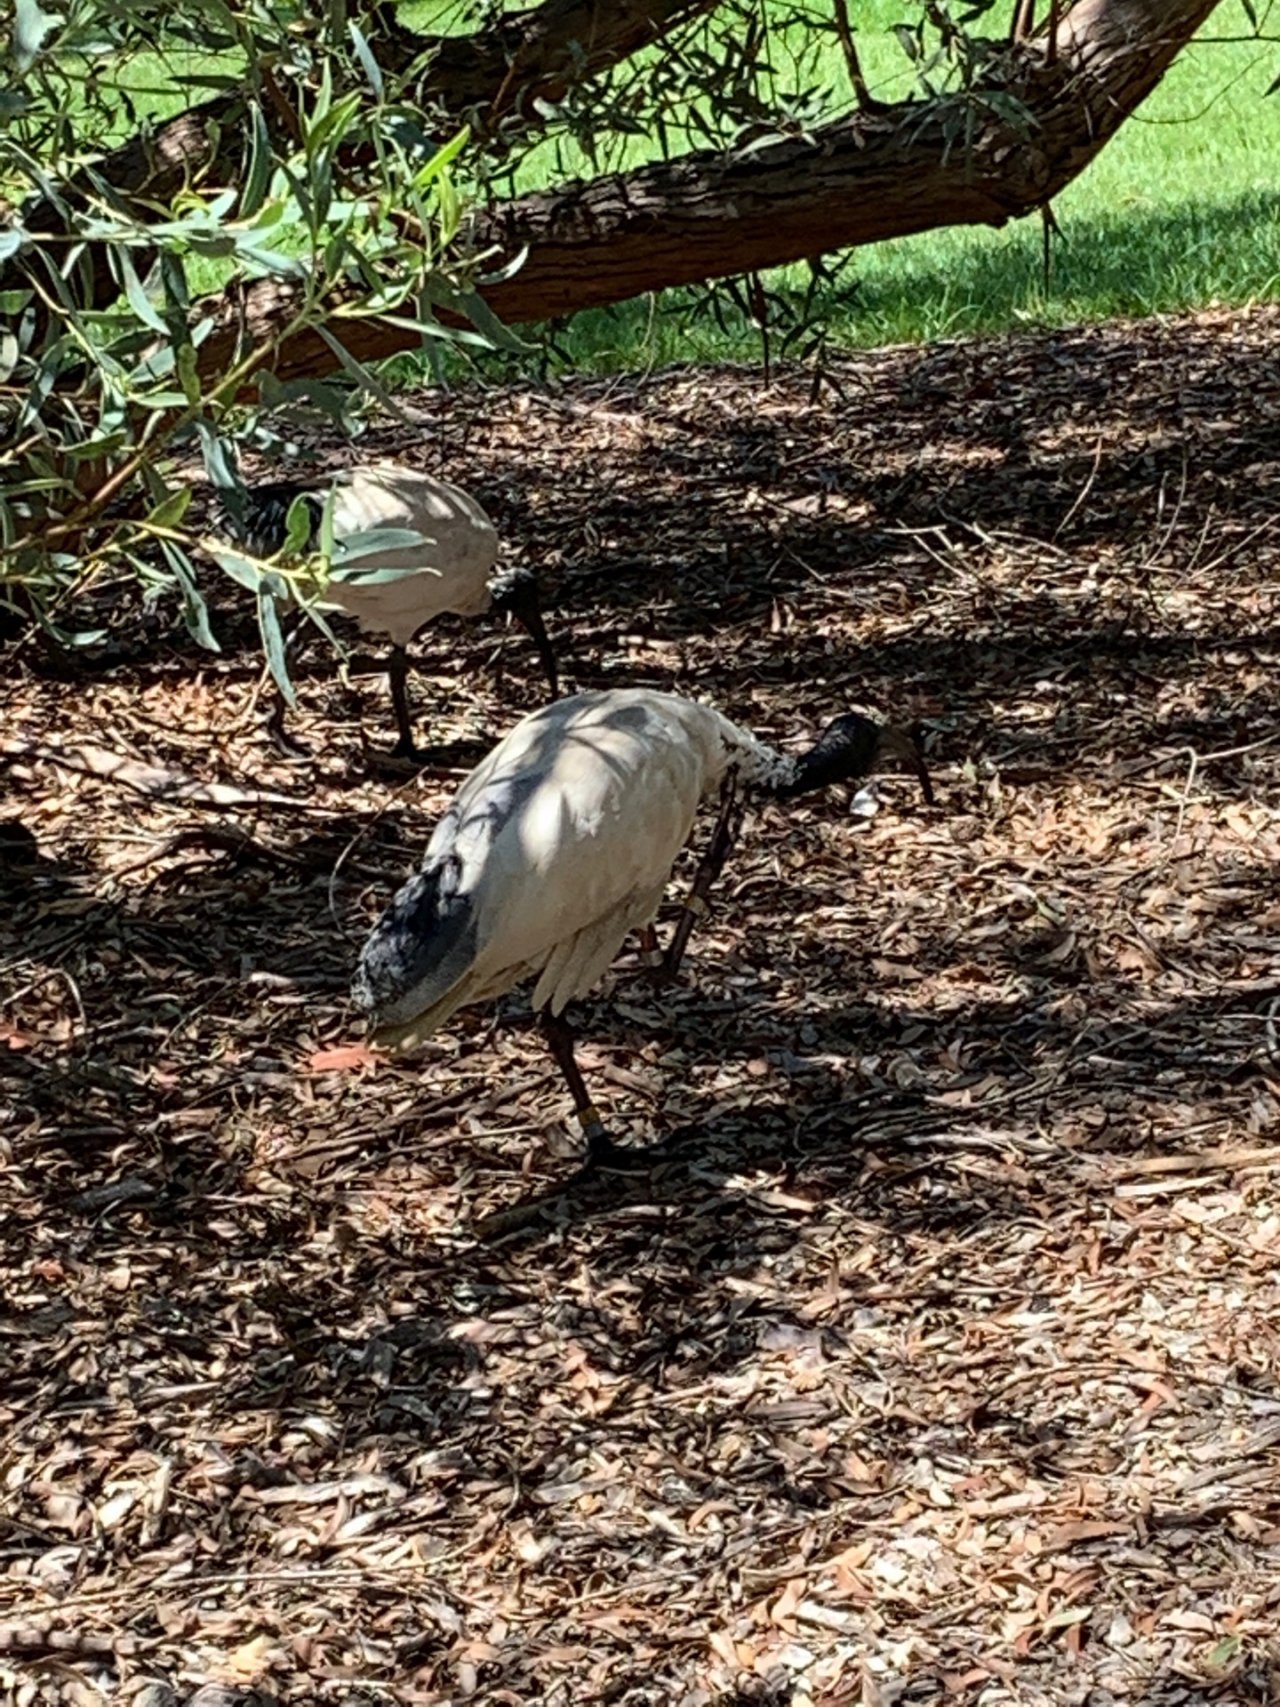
x: 299, y: 525
x: 100, y: 445
x: 173, y: 279
x: 219, y: 461
x: 138, y: 299
x: 270, y: 261
x: 214, y: 246
x: 317, y: 617
x: 373, y: 542
x: 482, y: 317
x: 364, y: 54
x: 235, y: 563
x: 195, y: 612
x: 79, y: 638
x: 355, y: 577
x: 258, y: 177
x: 189, y: 373
x: 441, y: 160
x: 169, y: 512
x: 331, y: 127
x: 326, y: 525
x: 273, y: 643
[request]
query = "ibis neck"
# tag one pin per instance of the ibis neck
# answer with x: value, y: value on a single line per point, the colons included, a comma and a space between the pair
x: 761, y: 768
x: 811, y: 771
x: 266, y: 515
x: 845, y: 750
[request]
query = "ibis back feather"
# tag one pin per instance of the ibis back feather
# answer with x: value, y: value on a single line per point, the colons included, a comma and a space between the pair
x: 558, y: 843
x: 459, y: 548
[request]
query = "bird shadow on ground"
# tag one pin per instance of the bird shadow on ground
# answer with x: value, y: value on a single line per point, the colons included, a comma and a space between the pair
x: 815, y: 1120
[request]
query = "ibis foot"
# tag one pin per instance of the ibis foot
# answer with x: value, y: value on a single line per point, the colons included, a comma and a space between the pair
x: 653, y: 961
x: 610, y: 1158
x: 661, y: 976
x: 287, y: 745
x: 603, y: 1154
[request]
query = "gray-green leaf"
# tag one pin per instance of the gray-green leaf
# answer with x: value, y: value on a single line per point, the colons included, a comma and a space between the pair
x: 273, y: 641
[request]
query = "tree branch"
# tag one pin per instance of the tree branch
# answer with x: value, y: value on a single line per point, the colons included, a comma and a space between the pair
x: 484, y: 78
x: 504, y: 69
x: 874, y: 176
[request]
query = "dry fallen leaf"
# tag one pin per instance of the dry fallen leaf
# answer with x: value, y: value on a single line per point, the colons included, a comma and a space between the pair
x: 250, y: 1661
x: 784, y: 1608
x: 345, y: 1058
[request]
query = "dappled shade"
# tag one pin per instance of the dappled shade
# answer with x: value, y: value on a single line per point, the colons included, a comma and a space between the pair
x: 947, y: 1348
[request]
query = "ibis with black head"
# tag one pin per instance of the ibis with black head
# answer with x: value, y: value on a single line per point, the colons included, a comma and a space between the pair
x: 561, y: 841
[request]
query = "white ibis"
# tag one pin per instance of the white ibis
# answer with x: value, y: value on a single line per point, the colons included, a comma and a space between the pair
x: 451, y: 560
x: 561, y: 841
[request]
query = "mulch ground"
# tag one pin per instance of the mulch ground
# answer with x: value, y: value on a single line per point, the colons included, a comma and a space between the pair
x: 941, y: 1361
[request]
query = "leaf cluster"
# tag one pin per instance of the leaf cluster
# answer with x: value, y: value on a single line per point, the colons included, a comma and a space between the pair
x: 107, y: 300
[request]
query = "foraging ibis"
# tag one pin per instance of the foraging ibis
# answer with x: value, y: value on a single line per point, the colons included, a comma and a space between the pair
x: 561, y: 841
x: 452, y: 561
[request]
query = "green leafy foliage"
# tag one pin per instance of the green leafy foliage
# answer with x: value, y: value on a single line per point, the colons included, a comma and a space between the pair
x: 108, y: 299
x: 338, y: 180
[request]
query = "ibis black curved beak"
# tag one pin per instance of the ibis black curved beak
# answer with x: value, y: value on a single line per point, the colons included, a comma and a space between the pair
x: 898, y: 744
x: 518, y: 593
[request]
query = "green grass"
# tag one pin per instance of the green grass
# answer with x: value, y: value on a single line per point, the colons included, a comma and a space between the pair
x: 1179, y: 211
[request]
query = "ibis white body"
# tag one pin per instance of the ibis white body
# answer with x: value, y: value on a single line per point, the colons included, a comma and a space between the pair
x: 558, y: 843
x: 453, y: 562
x: 437, y: 539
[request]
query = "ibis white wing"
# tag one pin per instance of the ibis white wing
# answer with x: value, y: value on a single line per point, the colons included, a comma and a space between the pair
x: 558, y: 844
x: 459, y: 548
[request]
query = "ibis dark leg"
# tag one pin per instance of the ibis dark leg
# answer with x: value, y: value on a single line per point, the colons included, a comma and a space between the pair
x: 709, y: 868
x: 601, y: 1149
x: 650, y: 953
x: 532, y: 620
x: 398, y: 671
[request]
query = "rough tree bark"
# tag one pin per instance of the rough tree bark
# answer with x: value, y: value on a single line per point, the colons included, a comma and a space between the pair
x: 886, y: 174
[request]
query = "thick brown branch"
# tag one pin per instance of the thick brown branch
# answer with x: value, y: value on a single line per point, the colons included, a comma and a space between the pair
x: 869, y: 178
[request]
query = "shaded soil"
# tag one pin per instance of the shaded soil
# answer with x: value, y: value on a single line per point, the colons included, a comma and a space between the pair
x: 942, y: 1362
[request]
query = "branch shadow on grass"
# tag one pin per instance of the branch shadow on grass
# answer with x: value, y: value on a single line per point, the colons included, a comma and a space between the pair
x: 1153, y: 260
